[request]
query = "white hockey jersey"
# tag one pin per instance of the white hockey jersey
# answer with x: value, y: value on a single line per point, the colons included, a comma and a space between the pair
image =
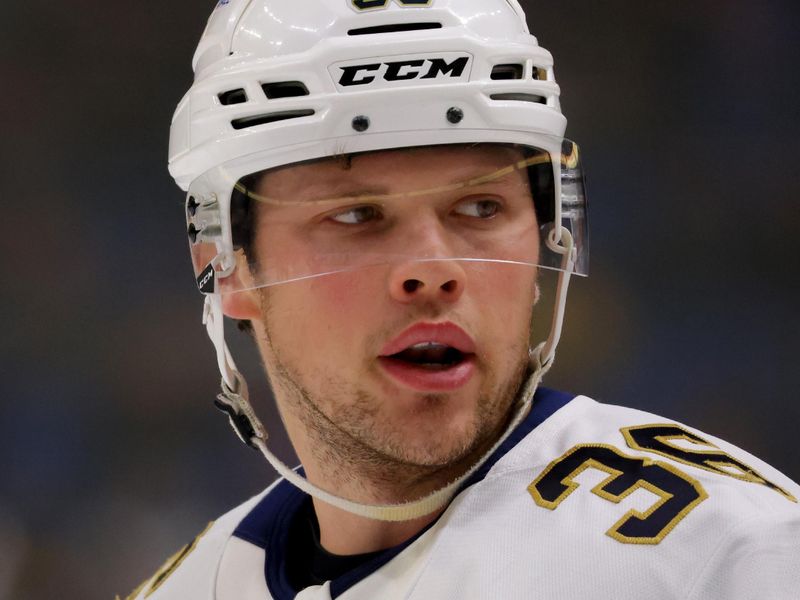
x: 583, y: 501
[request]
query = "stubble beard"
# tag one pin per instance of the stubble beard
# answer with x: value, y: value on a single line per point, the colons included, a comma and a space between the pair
x: 351, y: 440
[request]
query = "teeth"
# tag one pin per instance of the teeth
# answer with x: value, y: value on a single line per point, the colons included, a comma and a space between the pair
x: 430, y: 355
x: 427, y: 346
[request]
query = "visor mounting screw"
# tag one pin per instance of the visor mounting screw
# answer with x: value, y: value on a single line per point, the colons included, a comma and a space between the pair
x: 455, y: 115
x: 191, y: 206
x: 361, y: 123
x: 193, y: 231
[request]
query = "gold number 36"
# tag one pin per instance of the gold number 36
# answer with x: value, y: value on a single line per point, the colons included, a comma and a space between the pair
x: 678, y: 492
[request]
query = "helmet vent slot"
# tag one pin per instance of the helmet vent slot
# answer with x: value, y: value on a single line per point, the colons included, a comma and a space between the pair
x: 255, y: 120
x: 397, y: 27
x: 284, y: 89
x: 519, y: 97
x: 539, y: 73
x: 237, y: 96
x: 509, y: 71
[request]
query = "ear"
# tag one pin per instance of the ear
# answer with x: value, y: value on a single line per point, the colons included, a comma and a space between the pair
x: 245, y: 304
x: 242, y: 305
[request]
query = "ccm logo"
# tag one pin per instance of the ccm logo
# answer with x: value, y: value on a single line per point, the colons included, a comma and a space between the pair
x: 205, y: 277
x: 403, y: 70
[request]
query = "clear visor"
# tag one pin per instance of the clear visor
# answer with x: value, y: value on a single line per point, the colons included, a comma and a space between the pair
x: 485, y: 203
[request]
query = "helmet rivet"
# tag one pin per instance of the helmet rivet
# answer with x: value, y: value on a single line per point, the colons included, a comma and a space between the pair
x: 191, y: 206
x: 361, y: 123
x: 455, y: 115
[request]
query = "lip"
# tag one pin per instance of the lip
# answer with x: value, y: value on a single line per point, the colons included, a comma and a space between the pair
x: 447, y: 334
x: 423, y: 379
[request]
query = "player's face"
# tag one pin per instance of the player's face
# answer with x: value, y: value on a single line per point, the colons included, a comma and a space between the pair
x: 402, y: 360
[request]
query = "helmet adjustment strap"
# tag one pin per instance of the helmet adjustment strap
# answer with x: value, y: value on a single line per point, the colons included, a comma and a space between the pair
x: 234, y: 399
x: 240, y: 413
x: 562, y: 243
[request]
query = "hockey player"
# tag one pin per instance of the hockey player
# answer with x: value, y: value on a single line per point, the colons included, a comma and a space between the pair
x: 374, y: 189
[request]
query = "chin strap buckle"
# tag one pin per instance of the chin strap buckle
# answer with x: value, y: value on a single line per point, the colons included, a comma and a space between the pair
x: 240, y: 414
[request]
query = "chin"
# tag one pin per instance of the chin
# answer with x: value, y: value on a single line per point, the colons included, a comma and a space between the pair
x: 437, y: 442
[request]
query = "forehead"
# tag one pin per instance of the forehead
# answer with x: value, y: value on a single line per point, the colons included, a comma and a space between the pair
x: 395, y: 170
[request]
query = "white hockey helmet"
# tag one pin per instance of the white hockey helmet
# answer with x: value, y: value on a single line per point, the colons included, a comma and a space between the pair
x: 282, y: 82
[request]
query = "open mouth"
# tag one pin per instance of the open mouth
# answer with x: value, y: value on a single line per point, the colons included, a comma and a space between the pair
x: 430, y: 355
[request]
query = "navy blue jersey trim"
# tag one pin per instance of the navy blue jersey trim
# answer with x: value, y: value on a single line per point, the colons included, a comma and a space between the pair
x: 341, y: 584
x: 267, y: 525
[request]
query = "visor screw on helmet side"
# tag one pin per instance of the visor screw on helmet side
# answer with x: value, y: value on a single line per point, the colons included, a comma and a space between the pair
x: 191, y: 206
x: 361, y: 123
x: 455, y: 115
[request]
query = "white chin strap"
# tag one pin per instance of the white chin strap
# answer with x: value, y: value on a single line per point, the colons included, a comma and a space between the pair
x: 234, y: 401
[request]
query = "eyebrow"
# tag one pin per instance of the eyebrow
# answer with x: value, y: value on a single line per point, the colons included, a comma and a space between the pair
x: 371, y: 193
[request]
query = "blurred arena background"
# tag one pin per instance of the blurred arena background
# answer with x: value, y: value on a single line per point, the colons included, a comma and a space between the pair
x: 111, y: 455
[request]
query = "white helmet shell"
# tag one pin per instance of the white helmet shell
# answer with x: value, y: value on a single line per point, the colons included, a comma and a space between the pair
x: 278, y: 81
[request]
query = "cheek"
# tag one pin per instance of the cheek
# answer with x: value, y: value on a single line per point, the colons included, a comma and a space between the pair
x: 505, y: 295
x: 506, y: 285
x: 338, y: 310
x: 339, y: 292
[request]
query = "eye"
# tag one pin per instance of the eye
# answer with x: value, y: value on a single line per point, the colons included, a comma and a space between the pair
x: 480, y: 208
x: 357, y: 215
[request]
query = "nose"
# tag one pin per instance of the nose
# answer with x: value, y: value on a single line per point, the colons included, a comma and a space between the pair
x: 422, y: 281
